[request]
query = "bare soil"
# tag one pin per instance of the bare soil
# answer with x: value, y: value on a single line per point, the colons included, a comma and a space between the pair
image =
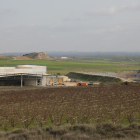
x: 22, y: 58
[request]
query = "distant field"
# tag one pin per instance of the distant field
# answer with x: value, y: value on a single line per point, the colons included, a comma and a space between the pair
x: 92, y: 64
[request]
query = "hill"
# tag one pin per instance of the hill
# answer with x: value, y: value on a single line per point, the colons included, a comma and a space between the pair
x: 22, y: 58
x: 1, y: 56
x: 40, y: 55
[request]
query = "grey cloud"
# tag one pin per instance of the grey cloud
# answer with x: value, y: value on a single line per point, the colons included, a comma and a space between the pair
x: 111, y: 11
x: 7, y: 12
x: 102, y: 31
x: 76, y: 19
x: 25, y: 29
x: 130, y: 8
x: 69, y: 25
x: 134, y: 7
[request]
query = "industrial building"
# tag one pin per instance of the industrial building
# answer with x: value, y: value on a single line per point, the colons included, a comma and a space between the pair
x: 64, y: 57
x: 28, y: 75
x: 23, y: 75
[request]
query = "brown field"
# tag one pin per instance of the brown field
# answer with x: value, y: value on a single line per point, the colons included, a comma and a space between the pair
x: 82, y: 108
x: 69, y: 105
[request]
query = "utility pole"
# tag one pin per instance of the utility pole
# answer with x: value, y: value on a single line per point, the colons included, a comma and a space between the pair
x: 21, y: 80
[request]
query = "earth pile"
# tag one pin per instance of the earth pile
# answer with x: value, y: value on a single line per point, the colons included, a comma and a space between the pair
x: 40, y: 55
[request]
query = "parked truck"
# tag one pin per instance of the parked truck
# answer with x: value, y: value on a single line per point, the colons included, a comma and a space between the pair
x: 90, y: 83
x: 81, y: 84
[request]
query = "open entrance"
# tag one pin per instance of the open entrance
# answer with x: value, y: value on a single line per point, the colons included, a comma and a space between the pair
x: 11, y: 82
x: 21, y: 79
x: 38, y: 82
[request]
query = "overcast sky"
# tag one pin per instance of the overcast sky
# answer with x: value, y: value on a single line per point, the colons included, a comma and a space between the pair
x: 69, y: 25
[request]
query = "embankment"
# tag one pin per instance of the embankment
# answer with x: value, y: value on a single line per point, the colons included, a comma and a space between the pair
x: 94, y: 78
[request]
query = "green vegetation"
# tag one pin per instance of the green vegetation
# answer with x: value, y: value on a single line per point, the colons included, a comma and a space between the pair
x: 93, y: 78
x: 90, y: 64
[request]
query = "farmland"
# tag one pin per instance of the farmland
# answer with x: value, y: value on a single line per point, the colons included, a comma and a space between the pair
x: 69, y: 105
x: 81, y: 108
x: 92, y: 64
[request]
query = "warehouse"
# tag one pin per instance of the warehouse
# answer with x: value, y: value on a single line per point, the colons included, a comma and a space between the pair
x: 23, y: 75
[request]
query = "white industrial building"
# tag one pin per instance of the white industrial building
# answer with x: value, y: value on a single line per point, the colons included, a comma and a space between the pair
x: 23, y: 75
x: 64, y: 57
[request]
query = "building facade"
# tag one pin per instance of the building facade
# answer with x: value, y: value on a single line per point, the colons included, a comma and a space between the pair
x: 23, y: 75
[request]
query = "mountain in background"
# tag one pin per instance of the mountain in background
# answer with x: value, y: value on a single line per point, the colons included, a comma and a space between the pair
x: 14, y: 53
x: 75, y: 54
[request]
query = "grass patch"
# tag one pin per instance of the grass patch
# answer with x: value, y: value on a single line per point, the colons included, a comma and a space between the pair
x: 86, y: 65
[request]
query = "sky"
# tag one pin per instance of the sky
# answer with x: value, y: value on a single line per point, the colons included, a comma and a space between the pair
x: 69, y: 25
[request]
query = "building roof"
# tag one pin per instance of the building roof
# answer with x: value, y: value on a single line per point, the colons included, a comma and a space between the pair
x: 28, y: 66
x: 7, y: 67
x: 19, y: 74
x: 22, y: 66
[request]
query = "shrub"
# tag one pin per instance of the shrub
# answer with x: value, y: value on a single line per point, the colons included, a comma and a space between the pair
x: 119, y: 135
x: 109, y: 127
x: 22, y: 136
x: 85, y: 128
x: 58, y: 132
x: 79, y: 136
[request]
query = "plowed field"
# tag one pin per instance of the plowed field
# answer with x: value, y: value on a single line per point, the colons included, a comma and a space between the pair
x: 69, y: 105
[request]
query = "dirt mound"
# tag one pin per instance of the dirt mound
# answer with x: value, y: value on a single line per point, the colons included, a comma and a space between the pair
x: 1, y: 56
x: 125, y: 74
x: 22, y: 58
x: 41, y: 55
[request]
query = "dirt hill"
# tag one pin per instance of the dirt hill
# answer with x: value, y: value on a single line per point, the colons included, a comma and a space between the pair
x: 1, y: 56
x: 41, y: 55
x: 22, y: 58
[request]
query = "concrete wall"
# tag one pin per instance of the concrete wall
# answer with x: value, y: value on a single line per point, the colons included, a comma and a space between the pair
x: 44, y: 82
x: 62, y: 78
x: 7, y: 69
